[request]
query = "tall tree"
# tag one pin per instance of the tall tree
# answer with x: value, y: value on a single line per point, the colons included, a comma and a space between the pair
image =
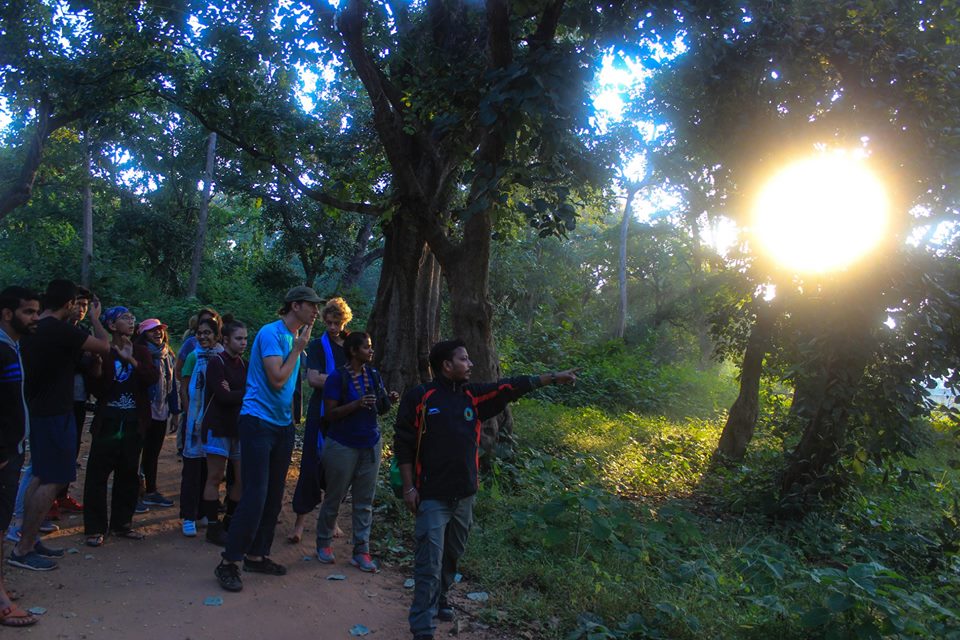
x: 198, y: 247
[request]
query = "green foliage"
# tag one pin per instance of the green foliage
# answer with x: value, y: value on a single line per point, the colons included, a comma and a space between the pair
x: 565, y: 553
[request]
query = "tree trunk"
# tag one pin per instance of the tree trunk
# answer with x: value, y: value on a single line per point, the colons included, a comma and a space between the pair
x: 360, y: 259
x: 471, y: 316
x: 742, y: 420
x: 393, y: 321
x: 429, y: 281
x: 204, y: 209
x: 808, y: 473
x: 18, y: 194
x: 622, y: 274
x: 87, y: 259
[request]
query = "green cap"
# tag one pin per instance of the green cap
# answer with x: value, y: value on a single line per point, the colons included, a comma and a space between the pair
x: 303, y: 294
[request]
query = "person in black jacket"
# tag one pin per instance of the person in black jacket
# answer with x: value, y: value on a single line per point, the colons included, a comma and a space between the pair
x: 436, y: 441
x: 19, y: 310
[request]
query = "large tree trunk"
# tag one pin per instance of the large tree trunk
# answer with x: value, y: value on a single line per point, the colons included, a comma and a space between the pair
x: 204, y: 209
x: 808, y: 474
x: 87, y: 258
x: 622, y: 273
x: 393, y: 321
x: 742, y: 419
x: 471, y: 316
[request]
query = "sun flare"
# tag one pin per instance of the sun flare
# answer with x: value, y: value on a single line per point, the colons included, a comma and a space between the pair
x: 821, y: 214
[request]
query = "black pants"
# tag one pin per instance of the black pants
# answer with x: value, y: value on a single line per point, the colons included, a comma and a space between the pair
x: 115, y: 448
x: 192, y: 480
x: 152, y: 444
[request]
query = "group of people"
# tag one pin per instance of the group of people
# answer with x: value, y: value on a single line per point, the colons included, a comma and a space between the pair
x: 234, y: 420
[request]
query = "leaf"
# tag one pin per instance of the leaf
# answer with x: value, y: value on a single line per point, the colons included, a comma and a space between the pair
x: 816, y: 617
x: 839, y: 602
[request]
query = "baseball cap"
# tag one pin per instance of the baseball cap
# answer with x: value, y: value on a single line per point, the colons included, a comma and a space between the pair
x: 303, y: 294
x: 149, y: 324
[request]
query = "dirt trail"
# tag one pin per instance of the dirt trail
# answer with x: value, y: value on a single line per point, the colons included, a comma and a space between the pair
x: 155, y: 588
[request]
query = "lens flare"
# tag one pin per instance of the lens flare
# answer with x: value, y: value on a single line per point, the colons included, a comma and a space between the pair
x: 821, y: 214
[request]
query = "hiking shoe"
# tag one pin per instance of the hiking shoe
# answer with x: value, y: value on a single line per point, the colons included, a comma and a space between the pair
x: 157, y: 499
x: 189, y: 528
x: 141, y: 507
x: 364, y: 562
x: 445, y: 612
x: 44, y: 551
x: 228, y: 575
x: 31, y: 560
x: 70, y: 504
x: 325, y: 555
x: 49, y: 527
x: 266, y: 566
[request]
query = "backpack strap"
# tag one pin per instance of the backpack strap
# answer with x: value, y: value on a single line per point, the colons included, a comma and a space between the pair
x: 420, y: 424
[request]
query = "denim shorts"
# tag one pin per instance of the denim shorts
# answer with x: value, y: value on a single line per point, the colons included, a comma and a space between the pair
x: 53, y: 448
x: 225, y: 447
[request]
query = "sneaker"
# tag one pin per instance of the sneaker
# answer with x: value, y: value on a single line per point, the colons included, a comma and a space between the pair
x: 228, y: 575
x: 44, y: 551
x: 141, y: 507
x: 266, y: 566
x: 31, y: 560
x: 364, y: 562
x: 70, y: 504
x: 48, y: 527
x: 203, y: 522
x: 157, y: 499
x: 422, y: 637
x: 325, y: 555
x: 189, y: 528
x: 445, y: 612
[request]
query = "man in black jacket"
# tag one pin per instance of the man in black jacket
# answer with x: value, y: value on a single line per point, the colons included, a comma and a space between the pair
x: 437, y: 447
x: 19, y: 309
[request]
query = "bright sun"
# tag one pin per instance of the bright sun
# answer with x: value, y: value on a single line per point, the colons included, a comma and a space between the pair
x: 821, y: 213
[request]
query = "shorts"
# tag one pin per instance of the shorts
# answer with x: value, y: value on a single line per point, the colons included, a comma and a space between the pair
x: 53, y: 448
x: 224, y: 447
x: 9, y: 483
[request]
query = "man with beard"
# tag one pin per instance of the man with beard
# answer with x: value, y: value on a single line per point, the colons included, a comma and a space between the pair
x: 19, y: 309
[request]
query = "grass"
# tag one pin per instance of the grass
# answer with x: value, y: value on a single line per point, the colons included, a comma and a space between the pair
x: 615, y: 526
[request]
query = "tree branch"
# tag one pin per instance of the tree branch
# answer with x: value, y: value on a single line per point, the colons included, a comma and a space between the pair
x: 314, y: 194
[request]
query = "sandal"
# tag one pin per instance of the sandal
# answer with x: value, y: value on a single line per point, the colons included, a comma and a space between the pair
x: 129, y: 534
x: 95, y: 541
x: 14, y: 616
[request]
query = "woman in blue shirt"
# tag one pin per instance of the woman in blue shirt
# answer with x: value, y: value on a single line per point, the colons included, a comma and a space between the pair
x: 353, y: 397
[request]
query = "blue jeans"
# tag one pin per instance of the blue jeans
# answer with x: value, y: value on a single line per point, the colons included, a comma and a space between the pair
x: 441, y: 535
x: 345, y: 466
x: 265, y: 456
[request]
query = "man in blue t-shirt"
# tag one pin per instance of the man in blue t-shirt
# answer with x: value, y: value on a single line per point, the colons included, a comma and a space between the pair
x: 266, y: 437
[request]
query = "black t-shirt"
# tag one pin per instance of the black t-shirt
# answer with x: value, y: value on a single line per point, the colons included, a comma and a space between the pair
x: 50, y: 357
x: 121, y: 393
x: 316, y: 359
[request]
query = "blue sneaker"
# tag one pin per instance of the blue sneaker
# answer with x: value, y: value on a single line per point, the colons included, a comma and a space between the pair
x: 364, y: 562
x: 157, y: 499
x: 189, y: 528
x: 325, y: 555
x: 141, y: 507
x: 31, y: 560
x: 44, y: 551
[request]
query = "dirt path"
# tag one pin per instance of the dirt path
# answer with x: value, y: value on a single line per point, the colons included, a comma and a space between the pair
x: 155, y: 588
